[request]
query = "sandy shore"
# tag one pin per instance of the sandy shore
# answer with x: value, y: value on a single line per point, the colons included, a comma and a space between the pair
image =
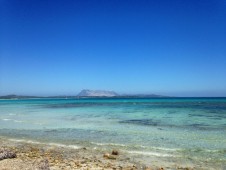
x: 30, y: 156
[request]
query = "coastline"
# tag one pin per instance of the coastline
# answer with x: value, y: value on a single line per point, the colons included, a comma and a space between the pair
x: 147, y: 133
x: 55, y: 157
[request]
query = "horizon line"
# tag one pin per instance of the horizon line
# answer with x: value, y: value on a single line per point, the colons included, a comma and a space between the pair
x: 123, y: 95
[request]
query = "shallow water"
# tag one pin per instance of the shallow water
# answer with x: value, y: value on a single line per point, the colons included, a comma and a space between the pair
x: 189, y: 130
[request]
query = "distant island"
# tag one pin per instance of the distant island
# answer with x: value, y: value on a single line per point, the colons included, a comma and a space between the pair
x: 86, y: 93
x: 97, y: 93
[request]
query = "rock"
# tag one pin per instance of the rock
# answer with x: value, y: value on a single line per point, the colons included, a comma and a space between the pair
x: 43, y: 165
x: 114, y: 152
x: 111, y: 157
x: 5, y: 154
x: 108, y: 156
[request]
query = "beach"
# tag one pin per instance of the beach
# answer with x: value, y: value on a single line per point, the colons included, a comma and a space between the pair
x: 31, y: 156
x: 113, y: 85
x: 168, y: 133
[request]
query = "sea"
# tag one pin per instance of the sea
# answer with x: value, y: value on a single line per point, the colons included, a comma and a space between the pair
x: 185, y: 131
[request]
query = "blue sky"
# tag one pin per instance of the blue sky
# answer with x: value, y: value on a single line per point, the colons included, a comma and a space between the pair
x: 164, y: 47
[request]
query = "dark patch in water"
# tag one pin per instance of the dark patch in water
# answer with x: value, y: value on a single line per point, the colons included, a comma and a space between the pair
x: 87, y: 104
x: 72, y: 105
x: 197, y: 125
x: 212, y: 111
x: 149, y: 122
x: 216, y: 118
x: 51, y: 131
x: 198, y: 115
x: 171, y: 112
x: 207, y: 115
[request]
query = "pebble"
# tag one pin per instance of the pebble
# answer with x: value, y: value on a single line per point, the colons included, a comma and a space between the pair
x: 5, y: 154
x: 114, y: 152
x: 74, y: 159
x: 108, y: 156
x: 44, y: 165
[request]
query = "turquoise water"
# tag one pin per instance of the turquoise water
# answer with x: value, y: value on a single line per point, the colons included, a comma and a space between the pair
x: 189, y: 130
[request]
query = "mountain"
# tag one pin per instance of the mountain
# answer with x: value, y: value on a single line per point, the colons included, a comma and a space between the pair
x: 97, y: 93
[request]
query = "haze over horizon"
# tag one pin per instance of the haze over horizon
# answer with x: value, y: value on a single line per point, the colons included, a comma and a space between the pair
x: 172, y: 48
